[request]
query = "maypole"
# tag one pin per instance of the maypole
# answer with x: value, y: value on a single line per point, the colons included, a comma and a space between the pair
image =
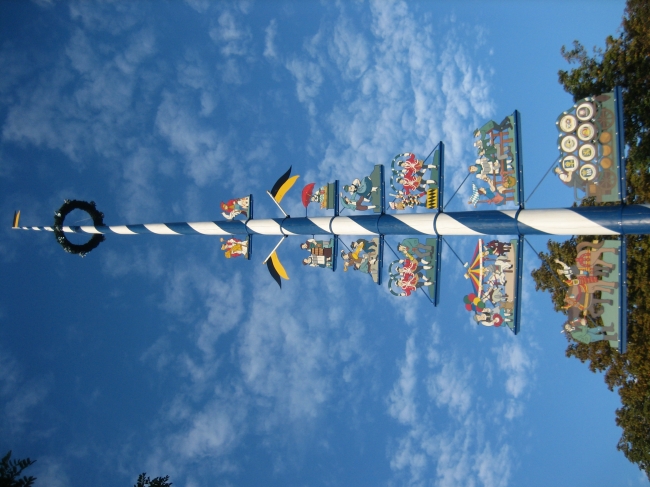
x: 591, y: 163
x: 606, y: 220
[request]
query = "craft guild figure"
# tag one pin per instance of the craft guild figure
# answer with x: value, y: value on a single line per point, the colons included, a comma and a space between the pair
x: 326, y: 196
x: 589, y: 159
x: 233, y: 247
x: 320, y: 253
x: 365, y: 193
x: 414, y: 271
x: 360, y: 192
x: 403, y: 201
x: 583, y: 279
x: 364, y: 256
x: 236, y: 207
x: 493, y: 277
x: 585, y: 334
x: 496, y: 163
x: 410, y: 182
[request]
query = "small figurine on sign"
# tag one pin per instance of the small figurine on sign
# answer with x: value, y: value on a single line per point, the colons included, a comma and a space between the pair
x: 358, y: 204
x: 325, y: 196
x: 403, y: 201
x: 236, y: 207
x: 413, y: 179
x: 408, y: 283
x: 585, y: 334
x: 416, y: 270
x: 363, y: 256
x: 497, y: 164
x: 233, y: 247
x: 493, y: 276
x: 366, y: 193
x: 320, y: 253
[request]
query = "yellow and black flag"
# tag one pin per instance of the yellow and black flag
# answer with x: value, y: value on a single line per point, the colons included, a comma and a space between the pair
x: 275, y: 267
x: 281, y: 187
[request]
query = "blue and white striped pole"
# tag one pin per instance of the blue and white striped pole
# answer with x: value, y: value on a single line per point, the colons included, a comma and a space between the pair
x: 602, y: 220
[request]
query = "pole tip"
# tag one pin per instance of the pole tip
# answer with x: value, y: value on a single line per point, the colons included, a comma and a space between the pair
x: 16, y: 219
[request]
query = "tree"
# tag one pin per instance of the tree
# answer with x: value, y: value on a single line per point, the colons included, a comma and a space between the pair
x: 625, y: 62
x: 10, y: 470
x: 144, y: 481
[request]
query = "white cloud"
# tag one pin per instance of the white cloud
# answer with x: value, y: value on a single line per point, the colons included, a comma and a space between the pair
x: 204, y: 150
x: 146, y: 261
x: 349, y: 49
x: 270, y: 51
x: 214, y: 431
x: 450, y: 387
x: 514, y: 361
x: 232, y: 38
x: 49, y: 471
x: 402, y: 398
x: 493, y: 470
x: 309, y: 79
x: 18, y: 396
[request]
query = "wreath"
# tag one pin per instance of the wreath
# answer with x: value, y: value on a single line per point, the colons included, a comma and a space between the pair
x: 59, y: 217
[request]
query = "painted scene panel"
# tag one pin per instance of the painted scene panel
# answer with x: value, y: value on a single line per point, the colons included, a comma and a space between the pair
x: 366, y: 193
x: 415, y: 182
x: 497, y: 169
x: 417, y: 268
x: 364, y: 256
x: 495, y: 278
x: 593, y: 283
x: 590, y: 159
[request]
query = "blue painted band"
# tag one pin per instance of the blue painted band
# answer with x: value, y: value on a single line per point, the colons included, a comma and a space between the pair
x: 520, y: 160
x: 436, y: 300
x: 369, y: 222
x: 622, y: 259
x: 182, y: 228
x: 302, y: 226
x: 518, y: 284
x: 441, y: 177
x: 636, y: 220
x: 138, y: 228
x: 488, y: 222
x: 605, y: 216
x: 389, y: 225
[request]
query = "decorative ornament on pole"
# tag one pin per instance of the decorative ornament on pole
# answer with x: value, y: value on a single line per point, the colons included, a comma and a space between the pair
x: 280, y: 188
x: 59, y: 218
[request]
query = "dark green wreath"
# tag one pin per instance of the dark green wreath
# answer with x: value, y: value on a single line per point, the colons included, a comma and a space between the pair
x: 59, y: 217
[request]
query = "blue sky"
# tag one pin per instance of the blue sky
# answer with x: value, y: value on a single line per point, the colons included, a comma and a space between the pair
x: 156, y: 354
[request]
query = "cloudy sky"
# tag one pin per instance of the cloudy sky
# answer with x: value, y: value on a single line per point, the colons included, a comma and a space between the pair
x: 157, y: 354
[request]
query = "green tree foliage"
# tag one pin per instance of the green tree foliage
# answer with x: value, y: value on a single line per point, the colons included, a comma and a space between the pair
x: 10, y: 471
x: 624, y: 62
x: 144, y: 481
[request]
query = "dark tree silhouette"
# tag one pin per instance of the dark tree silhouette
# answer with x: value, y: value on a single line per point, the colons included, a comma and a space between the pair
x: 625, y: 62
x: 10, y: 471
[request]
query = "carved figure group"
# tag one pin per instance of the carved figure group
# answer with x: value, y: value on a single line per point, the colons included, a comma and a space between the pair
x: 236, y: 207
x: 363, y: 256
x: 583, y: 280
x: 410, y: 182
x: 233, y: 247
x: 493, y: 277
x: 364, y: 194
x: 410, y: 273
x: 495, y: 166
x: 320, y: 253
